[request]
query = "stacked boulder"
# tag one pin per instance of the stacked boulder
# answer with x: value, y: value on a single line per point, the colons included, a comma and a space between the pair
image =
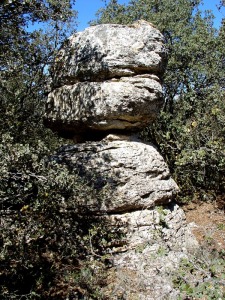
x: 106, y: 87
x: 107, y: 79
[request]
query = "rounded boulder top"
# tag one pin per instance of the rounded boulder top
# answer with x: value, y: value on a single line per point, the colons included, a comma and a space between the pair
x: 107, y: 51
x: 106, y: 79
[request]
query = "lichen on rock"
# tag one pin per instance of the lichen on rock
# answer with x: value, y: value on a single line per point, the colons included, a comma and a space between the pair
x: 106, y: 78
x: 107, y: 86
x: 134, y: 172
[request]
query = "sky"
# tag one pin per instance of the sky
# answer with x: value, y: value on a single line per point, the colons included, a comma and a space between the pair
x: 88, y: 8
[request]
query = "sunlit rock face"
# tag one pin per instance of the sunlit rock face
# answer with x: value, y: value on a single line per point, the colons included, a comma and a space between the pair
x: 135, y: 194
x: 106, y: 86
x: 110, y: 51
x: 131, y: 174
x: 107, y: 78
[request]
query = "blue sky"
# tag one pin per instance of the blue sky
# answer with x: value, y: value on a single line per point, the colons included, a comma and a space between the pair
x: 88, y: 8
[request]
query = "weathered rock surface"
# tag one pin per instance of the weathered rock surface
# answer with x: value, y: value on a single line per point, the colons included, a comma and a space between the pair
x: 128, y: 103
x: 136, y: 192
x: 107, y: 78
x: 132, y: 174
x: 110, y: 50
x: 157, y: 240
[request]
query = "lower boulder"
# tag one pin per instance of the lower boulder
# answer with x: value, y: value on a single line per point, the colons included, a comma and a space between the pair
x: 136, y: 201
x: 130, y: 174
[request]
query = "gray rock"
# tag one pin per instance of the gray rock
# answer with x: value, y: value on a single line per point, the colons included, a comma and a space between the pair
x: 151, y: 233
x: 156, y: 242
x: 130, y: 174
x: 128, y: 103
x: 110, y: 50
x: 106, y: 79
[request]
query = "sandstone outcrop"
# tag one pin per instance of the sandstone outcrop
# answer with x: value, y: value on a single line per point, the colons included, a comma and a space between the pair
x: 85, y: 108
x: 137, y: 194
x: 107, y: 85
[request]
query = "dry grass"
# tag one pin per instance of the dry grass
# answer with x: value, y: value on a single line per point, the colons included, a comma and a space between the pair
x: 208, y: 223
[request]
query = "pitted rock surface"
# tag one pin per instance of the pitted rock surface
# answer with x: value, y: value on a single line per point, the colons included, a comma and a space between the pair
x: 157, y: 240
x: 128, y: 103
x: 107, y: 51
x: 107, y: 85
x: 106, y: 79
x: 133, y: 174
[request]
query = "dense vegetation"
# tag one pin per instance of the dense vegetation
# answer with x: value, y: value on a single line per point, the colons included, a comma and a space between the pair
x: 37, y: 236
x: 190, y: 131
x: 41, y: 245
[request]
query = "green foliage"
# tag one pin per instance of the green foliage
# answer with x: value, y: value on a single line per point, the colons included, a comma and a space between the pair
x: 201, y: 277
x: 25, y: 58
x: 44, y: 240
x: 190, y: 129
x: 47, y: 242
x: 194, y: 144
x: 162, y: 214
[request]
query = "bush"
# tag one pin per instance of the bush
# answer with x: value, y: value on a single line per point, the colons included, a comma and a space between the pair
x: 48, y: 243
x: 192, y: 140
x: 201, y: 276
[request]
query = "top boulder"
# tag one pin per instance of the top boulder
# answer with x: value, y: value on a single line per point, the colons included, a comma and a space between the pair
x: 106, y: 79
x: 110, y: 51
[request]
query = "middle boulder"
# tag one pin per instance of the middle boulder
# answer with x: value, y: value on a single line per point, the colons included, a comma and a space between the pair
x: 113, y: 85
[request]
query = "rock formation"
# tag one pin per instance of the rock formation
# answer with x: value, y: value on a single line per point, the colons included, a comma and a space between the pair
x: 107, y: 78
x: 135, y: 172
x: 106, y: 86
